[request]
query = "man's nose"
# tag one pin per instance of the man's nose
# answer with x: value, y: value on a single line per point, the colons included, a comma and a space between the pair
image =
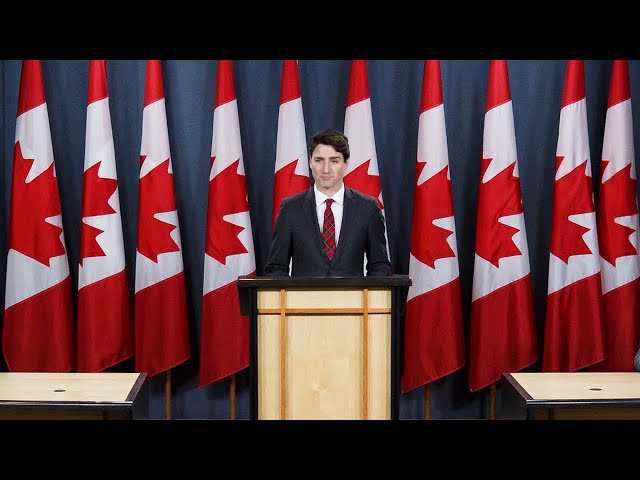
x: 326, y: 167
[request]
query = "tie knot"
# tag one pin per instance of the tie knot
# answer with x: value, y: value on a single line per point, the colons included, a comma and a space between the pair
x: 329, y: 201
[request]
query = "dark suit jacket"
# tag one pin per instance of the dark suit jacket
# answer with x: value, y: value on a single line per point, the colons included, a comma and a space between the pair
x: 297, y: 238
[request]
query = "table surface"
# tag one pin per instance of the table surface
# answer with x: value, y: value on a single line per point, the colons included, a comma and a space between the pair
x: 577, y: 385
x: 73, y: 388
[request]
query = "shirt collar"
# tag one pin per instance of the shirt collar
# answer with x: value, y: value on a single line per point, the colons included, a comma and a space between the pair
x: 321, y: 197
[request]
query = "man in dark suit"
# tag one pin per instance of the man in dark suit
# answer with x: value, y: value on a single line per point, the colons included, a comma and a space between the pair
x: 328, y: 238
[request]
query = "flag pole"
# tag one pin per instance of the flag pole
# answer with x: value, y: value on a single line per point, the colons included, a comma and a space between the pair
x: 232, y: 397
x: 167, y: 395
x: 492, y: 404
x: 427, y: 401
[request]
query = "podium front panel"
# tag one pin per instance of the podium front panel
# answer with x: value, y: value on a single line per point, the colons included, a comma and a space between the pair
x: 324, y: 353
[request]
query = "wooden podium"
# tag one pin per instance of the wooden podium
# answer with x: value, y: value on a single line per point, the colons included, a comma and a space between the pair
x: 324, y: 347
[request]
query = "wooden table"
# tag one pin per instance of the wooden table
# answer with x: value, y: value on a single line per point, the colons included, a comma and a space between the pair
x: 578, y: 395
x: 66, y: 396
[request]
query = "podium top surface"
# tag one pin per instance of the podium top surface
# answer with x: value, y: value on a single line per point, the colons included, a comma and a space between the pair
x: 247, y: 281
x: 18, y: 388
x: 576, y: 386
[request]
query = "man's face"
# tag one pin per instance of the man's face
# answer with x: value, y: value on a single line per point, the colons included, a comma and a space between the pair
x: 327, y: 167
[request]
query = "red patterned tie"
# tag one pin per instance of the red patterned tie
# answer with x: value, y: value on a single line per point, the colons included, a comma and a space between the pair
x: 329, y: 230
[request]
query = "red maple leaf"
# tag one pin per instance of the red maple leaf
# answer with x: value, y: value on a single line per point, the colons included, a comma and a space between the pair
x: 156, y: 195
x: 227, y: 195
x: 287, y: 182
x: 31, y: 203
x: 359, y: 179
x: 432, y: 200
x: 96, y: 193
x: 497, y: 198
x: 572, y: 195
x: 617, y: 199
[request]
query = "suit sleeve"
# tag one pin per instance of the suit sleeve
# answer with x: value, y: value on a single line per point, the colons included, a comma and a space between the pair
x: 280, y: 249
x: 636, y: 361
x: 378, y: 263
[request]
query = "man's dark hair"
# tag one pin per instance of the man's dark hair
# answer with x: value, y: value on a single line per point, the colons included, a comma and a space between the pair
x: 333, y: 138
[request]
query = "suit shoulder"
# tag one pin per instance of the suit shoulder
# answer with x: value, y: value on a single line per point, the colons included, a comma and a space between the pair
x: 363, y: 197
x: 295, y: 198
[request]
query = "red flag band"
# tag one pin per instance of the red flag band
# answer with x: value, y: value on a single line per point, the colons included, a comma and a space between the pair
x: 574, y: 336
x: 105, y: 328
x: 161, y: 329
x: 502, y: 335
x: 434, y: 335
x: 229, y: 252
x: 38, y: 325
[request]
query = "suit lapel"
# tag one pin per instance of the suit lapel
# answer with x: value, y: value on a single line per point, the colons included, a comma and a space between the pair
x: 312, y: 219
x: 348, y: 217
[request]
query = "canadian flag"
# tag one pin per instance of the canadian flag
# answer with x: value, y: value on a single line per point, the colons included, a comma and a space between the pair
x: 502, y: 332
x: 105, y: 329
x: 362, y: 172
x: 229, y: 251
x: 618, y: 229
x: 161, y: 329
x: 574, y: 334
x: 434, y: 335
x: 38, y: 327
x: 292, y: 165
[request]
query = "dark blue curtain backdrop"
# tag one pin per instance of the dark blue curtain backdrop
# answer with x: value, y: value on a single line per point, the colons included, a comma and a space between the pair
x: 395, y: 88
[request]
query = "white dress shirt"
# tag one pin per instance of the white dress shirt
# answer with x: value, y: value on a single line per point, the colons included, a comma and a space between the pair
x: 336, y: 207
